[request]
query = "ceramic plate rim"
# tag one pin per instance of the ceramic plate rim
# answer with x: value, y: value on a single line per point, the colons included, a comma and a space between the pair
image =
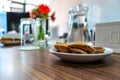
x: 107, y: 51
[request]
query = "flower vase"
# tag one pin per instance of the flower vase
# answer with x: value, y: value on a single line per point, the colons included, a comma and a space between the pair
x: 41, y: 32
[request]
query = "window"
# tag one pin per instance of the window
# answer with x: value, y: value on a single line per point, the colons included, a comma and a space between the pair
x: 37, y: 2
x: 21, y: 1
x: 28, y: 7
x: 20, y: 5
x: 15, y: 7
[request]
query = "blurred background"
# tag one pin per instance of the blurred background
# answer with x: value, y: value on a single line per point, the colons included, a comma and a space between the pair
x: 99, y: 11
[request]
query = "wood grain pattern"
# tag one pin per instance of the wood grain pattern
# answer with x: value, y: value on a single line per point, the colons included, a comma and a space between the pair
x: 42, y: 65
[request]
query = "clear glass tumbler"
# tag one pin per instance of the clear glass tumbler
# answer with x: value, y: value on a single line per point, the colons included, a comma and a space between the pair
x: 27, y: 26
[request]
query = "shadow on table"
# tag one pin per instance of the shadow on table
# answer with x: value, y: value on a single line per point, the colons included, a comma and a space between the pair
x: 109, y: 61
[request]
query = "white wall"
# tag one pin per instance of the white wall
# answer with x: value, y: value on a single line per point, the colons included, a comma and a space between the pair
x: 61, y: 7
x: 103, y: 10
x: 99, y: 11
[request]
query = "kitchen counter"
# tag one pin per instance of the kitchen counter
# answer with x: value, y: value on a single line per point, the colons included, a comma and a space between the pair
x: 42, y: 65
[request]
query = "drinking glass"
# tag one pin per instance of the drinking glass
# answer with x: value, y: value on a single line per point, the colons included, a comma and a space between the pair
x: 27, y: 26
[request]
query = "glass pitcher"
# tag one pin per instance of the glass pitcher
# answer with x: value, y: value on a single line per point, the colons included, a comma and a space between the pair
x: 77, y: 23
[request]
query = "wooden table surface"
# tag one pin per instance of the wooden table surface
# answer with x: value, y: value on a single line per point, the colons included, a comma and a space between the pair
x: 42, y: 65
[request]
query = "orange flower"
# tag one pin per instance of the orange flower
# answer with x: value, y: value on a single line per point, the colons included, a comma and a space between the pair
x: 34, y: 13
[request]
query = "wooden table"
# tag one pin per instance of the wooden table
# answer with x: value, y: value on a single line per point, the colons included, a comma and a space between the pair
x: 42, y: 65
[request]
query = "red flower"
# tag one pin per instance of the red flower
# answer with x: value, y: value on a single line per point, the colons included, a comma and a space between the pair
x: 44, y: 9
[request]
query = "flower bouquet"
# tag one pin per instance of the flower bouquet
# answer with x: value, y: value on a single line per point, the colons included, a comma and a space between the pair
x: 41, y: 12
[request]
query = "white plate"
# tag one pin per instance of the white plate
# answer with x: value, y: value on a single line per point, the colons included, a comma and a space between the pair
x: 82, y: 57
